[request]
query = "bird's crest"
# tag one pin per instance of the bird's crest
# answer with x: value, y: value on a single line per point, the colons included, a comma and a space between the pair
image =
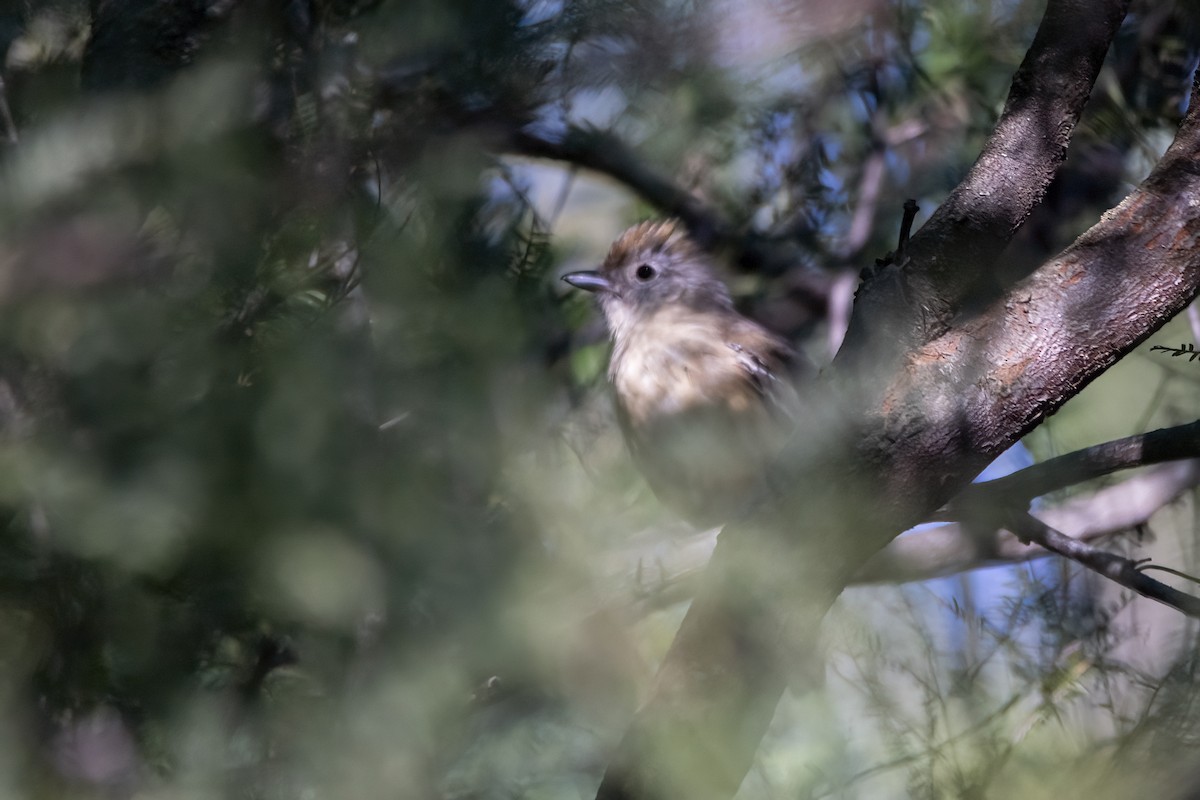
x: 664, y: 236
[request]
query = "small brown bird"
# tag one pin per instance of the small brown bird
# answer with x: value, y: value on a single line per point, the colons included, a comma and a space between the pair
x: 705, y: 397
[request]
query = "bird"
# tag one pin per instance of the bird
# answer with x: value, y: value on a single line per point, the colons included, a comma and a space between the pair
x: 705, y: 397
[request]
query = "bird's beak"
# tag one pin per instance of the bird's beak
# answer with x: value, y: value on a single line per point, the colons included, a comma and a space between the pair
x: 589, y: 280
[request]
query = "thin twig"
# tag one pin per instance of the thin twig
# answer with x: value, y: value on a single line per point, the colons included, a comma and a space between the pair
x: 607, y: 154
x: 1144, y: 567
x: 910, y: 213
x: 953, y: 253
x: 1112, y: 566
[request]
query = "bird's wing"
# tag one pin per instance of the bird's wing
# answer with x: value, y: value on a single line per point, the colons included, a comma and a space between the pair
x: 770, y: 367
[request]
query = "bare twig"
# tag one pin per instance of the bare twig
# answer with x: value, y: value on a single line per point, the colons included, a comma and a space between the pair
x: 870, y: 185
x: 1114, y: 567
x: 841, y: 292
x: 1143, y: 565
x: 910, y: 213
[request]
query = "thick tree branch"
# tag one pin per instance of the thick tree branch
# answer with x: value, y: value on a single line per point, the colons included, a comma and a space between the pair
x: 718, y: 686
x: 960, y: 242
x: 1117, y: 568
x: 997, y: 374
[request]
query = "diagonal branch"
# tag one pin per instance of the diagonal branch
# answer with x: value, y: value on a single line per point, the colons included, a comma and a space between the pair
x: 967, y: 233
x: 1114, y: 567
x: 953, y: 548
x: 1003, y: 369
x: 1165, y: 444
x: 663, y: 571
x: 608, y: 154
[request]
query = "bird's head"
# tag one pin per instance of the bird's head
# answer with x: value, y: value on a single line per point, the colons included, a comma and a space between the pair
x: 650, y: 267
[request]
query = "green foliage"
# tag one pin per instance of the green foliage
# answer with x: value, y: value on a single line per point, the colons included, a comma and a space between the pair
x: 1186, y: 349
x: 307, y: 483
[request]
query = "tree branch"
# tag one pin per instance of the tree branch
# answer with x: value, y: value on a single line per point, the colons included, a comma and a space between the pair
x: 1116, y: 568
x: 673, y: 566
x: 952, y: 548
x: 968, y: 232
x: 1166, y: 444
x: 607, y: 154
x: 999, y: 372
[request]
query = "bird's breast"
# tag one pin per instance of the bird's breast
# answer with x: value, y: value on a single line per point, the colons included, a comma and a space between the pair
x: 695, y: 400
x: 674, y: 364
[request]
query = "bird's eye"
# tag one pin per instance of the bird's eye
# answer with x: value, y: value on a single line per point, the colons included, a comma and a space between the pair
x: 645, y: 272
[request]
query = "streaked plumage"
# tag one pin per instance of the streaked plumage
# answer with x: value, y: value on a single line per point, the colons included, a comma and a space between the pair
x: 705, y: 396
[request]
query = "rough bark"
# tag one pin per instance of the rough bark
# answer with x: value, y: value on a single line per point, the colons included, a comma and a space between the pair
x: 958, y: 245
x: 994, y: 376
